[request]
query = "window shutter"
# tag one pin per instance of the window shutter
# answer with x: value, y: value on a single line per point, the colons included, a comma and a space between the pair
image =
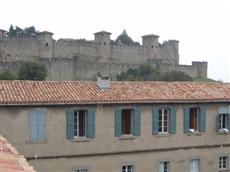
x: 202, y: 119
x: 155, y: 114
x: 137, y: 122
x: 172, y: 123
x: 41, y: 125
x: 91, y: 123
x: 33, y: 126
x: 218, y: 122
x: 229, y: 122
x: 69, y: 124
x: 118, y: 122
x: 186, y: 120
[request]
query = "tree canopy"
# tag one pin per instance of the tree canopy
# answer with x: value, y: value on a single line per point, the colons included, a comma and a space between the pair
x: 19, y: 32
x: 7, y: 75
x: 146, y: 72
x: 124, y: 39
x: 32, y: 71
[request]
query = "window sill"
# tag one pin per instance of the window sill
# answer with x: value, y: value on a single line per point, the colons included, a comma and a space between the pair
x: 163, y: 135
x: 226, y: 170
x: 196, y: 133
x: 79, y: 139
x: 223, y: 132
x: 36, y: 141
x: 127, y: 137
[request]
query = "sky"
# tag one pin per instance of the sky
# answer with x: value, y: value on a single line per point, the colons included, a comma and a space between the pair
x: 201, y: 26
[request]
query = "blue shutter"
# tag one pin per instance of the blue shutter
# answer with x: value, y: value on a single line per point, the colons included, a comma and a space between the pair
x: 155, y: 117
x: 228, y: 122
x: 186, y: 120
x: 33, y: 126
x: 69, y: 124
x: 91, y: 123
x: 202, y: 119
x: 41, y: 125
x: 172, y: 122
x: 118, y: 122
x: 137, y: 122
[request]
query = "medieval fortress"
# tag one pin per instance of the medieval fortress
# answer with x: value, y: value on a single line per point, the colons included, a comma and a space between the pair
x: 71, y: 59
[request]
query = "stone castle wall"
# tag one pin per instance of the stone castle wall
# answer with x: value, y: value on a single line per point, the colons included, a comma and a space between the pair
x: 69, y: 59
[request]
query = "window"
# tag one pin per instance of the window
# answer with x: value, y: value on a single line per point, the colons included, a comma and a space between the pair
x: 81, y: 170
x: 194, y: 165
x: 127, y: 121
x: 163, y: 120
x: 127, y: 168
x: 164, y: 166
x: 37, y: 126
x: 80, y: 123
x: 194, y: 119
x: 104, y: 43
x: 223, y: 163
x: 223, y: 122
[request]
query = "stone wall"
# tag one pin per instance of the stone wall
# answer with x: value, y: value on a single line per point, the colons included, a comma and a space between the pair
x: 70, y: 59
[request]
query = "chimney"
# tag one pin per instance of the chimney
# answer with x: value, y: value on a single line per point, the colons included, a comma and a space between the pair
x: 103, y: 82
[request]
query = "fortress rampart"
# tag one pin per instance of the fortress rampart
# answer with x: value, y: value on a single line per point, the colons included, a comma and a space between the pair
x: 70, y: 59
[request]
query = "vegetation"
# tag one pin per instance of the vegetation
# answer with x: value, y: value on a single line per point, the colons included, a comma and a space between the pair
x: 145, y: 72
x: 124, y: 39
x: 7, y: 75
x: 18, y: 32
x: 32, y: 71
x: 203, y: 79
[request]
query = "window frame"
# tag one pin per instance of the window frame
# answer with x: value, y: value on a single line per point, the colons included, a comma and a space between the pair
x: 126, y: 166
x: 196, y: 117
x: 131, y: 121
x: 164, y: 162
x: 221, y: 117
x: 199, y: 164
x: 76, y: 112
x: 220, y: 163
x: 162, y: 126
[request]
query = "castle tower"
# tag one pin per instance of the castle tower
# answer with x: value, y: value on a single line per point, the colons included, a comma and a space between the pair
x: 3, y: 33
x: 151, y: 43
x: 45, y: 44
x: 102, y: 40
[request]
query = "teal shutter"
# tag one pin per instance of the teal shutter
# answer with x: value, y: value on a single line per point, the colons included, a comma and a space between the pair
x: 33, y: 126
x: 202, y: 119
x: 155, y: 117
x: 91, y: 123
x: 118, y: 122
x: 229, y: 122
x: 41, y: 125
x: 69, y: 124
x: 172, y: 122
x: 186, y: 120
x: 137, y: 122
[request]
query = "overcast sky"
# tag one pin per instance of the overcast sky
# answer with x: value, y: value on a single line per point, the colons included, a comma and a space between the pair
x: 201, y: 26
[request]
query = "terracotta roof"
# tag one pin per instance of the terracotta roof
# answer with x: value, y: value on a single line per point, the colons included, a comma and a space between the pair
x: 87, y: 92
x: 11, y: 160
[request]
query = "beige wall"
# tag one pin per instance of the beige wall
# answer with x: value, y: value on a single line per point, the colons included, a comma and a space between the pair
x: 15, y: 127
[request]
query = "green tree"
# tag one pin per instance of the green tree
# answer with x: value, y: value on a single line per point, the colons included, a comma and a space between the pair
x: 175, y: 76
x: 19, y: 32
x: 32, y: 71
x: 7, y: 75
x: 143, y: 73
x: 125, y: 40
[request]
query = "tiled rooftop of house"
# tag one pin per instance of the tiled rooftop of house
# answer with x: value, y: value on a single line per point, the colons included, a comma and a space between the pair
x: 88, y: 92
x: 11, y: 160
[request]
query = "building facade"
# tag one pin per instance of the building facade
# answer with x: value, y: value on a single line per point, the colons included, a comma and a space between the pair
x: 70, y: 59
x: 118, y: 126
